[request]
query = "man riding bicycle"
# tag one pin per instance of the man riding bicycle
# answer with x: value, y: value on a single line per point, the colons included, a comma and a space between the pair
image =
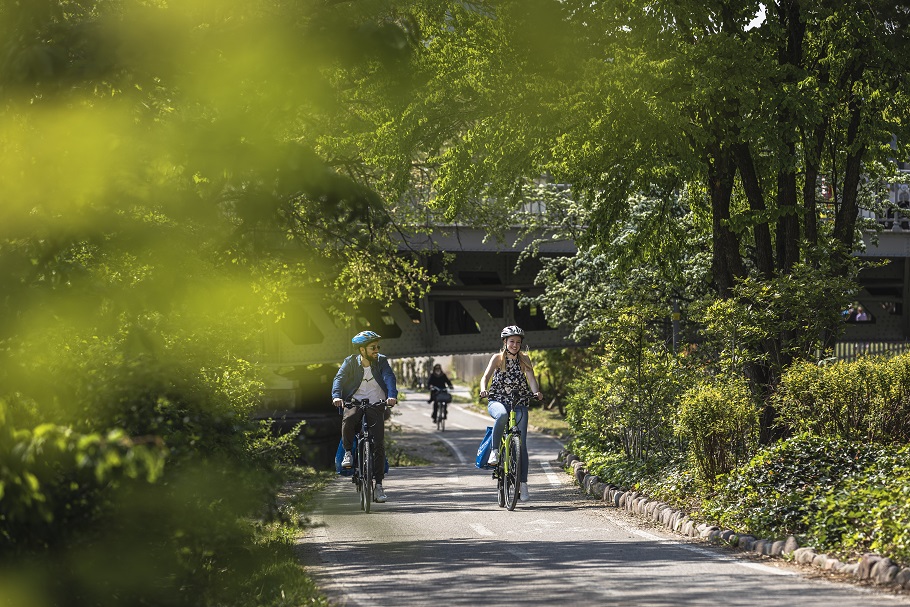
x: 365, y: 375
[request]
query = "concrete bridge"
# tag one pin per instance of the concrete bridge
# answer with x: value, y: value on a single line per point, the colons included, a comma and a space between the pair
x: 463, y: 316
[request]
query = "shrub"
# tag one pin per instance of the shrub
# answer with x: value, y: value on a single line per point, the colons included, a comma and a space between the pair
x: 719, y: 420
x: 53, y: 480
x: 867, y: 399
x: 782, y: 488
x: 868, y: 511
x: 628, y: 406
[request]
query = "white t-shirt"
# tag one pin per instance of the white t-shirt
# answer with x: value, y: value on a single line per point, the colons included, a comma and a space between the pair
x: 369, y: 387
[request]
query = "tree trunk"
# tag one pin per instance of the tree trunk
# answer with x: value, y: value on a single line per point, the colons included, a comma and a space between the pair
x: 727, y: 264
x: 845, y: 220
x: 764, y: 259
x: 788, y: 222
x: 813, y: 150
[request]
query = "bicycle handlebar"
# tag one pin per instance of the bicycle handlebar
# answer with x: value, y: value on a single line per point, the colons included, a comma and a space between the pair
x: 365, y: 404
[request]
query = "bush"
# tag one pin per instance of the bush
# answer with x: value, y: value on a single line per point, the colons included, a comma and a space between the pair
x: 137, y: 477
x: 54, y: 481
x: 781, y: 490
x: 868, y: 511
x: 720, y: 422
x: 867, y: 399
x: 628, y: 406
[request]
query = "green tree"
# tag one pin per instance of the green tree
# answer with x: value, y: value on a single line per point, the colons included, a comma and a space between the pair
x: 744, y: 106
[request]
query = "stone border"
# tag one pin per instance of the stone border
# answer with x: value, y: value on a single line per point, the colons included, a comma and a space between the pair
x: 871, y: 567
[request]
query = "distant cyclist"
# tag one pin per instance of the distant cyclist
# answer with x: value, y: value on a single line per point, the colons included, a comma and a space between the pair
x: 512, y: 385
x: 439, y: 380
x: 365, y: 375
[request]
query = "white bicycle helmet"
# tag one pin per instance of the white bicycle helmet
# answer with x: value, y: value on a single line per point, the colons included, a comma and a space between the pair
x: 512, y: 330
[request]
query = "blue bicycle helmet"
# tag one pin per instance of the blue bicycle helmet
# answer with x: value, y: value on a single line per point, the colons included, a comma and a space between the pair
x: 365, y: 337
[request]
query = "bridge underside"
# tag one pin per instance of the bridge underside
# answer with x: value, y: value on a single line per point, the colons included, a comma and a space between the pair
x: 461, y: 318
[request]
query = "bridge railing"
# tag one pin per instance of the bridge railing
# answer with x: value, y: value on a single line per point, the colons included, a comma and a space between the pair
x: 851, y: 350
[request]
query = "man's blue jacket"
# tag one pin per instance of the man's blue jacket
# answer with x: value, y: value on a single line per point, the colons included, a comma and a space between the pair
x: 349, y: 376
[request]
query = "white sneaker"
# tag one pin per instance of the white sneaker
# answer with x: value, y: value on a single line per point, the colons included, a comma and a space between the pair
x: 494, y: 458
x: 524, y: 492
x: 348, y: 460
x: 379, y: 495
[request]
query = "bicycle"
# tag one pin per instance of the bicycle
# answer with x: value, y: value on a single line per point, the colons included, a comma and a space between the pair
x: 363, y: 455
x: 442, y: 398
x: 508, y: 471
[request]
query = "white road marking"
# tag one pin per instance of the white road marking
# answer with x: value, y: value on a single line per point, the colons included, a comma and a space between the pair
x: 453, y: 449
x: 699, y: 551
x: 548, y: 469
x: 545, y: 522
x: 480, y: 529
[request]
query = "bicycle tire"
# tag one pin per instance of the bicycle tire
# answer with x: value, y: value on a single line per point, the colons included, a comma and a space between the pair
x: 355, y: 470
x: 513, y: 476
x: 501, y: 480
x: 366, y: 495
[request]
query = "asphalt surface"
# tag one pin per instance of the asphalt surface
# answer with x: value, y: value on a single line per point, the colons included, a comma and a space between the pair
x: 442, y: 539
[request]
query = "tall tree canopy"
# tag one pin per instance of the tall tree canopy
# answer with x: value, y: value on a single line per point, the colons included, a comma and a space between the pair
x: 737, y: 111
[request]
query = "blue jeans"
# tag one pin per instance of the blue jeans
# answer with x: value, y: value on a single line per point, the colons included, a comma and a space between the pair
x: 500, y: 414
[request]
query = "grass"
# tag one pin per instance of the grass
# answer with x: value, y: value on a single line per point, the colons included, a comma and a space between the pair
x: 279, y: 580
x: 550, y: 422
x: 541, y: 420
x: 399, y: 455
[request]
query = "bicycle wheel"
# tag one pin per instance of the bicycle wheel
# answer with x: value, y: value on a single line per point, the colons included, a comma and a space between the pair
x: 355, y: 469
x: 441, y: 417
x: 500, y: 487
x: 500, y: 475
x: 514, y: 472
x: 366, y: 492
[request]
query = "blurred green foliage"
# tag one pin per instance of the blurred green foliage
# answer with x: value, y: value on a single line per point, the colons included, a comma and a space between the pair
x: 167, y: 182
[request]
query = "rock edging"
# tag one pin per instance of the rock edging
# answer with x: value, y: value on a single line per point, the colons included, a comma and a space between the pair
x: 871, y: 567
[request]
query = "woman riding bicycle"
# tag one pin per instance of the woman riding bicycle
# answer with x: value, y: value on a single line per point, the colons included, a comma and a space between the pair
x: 366, y: 375
x: 512, y: 385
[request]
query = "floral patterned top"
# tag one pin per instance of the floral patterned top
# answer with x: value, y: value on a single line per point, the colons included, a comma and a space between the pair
x: 511, y: 387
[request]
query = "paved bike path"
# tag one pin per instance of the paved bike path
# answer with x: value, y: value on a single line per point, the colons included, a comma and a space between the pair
x: 442, y: 539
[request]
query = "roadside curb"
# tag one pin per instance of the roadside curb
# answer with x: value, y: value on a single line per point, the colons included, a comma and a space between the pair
x: 871, y: 567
